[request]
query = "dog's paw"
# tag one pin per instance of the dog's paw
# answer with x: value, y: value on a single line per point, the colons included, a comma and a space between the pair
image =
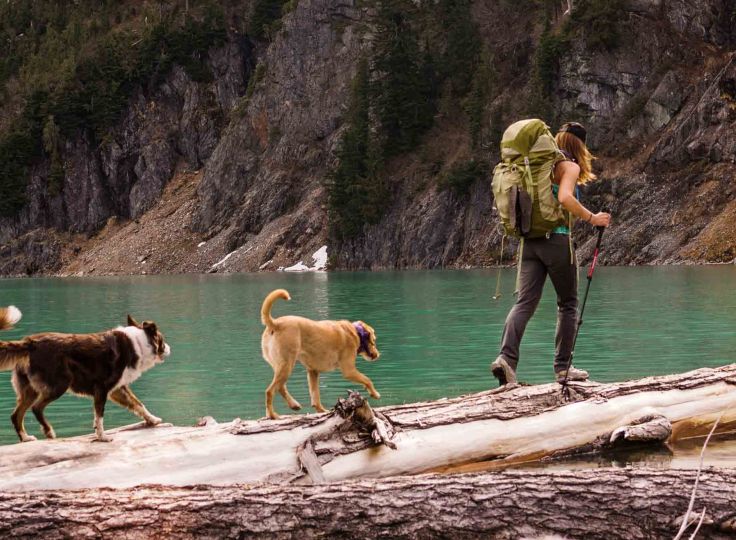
x: 320, y: 409
x: 104, y: 438
x: 153, y: 421
x: 296, y: 406
x: 375, y: 395
x: 27, y: 438
x: 273, y: 416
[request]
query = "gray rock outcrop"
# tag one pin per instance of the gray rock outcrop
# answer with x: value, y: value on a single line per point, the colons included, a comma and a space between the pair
x: 660, y: 108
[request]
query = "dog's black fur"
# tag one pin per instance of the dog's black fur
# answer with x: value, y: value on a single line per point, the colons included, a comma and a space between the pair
x: 96, y: 365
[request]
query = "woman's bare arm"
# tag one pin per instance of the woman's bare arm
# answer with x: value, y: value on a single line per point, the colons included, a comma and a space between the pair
x: 566, y: 173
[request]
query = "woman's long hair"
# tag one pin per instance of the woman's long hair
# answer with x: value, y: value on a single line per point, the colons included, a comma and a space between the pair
x: 570, y: 143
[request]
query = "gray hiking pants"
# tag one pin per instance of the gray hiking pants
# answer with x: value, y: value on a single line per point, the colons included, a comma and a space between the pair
x: 542, y: 257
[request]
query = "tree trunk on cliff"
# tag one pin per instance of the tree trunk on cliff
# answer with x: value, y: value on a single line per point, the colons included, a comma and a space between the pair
x: 518, y: 424
x: 601, y: 503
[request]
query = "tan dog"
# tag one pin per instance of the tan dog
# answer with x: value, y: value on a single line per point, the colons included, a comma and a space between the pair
x: 318, y: 345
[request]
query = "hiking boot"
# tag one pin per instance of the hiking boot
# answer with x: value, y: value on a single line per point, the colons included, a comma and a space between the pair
x: 575, y: 374
x: 503, y: 371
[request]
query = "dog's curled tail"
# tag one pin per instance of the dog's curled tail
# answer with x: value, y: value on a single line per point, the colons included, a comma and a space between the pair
x: 9, y: 316
x: 266, y: 318
x: 13, y: 353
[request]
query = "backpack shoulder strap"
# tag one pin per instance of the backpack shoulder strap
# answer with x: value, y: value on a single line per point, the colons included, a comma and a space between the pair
x: 568, y: 156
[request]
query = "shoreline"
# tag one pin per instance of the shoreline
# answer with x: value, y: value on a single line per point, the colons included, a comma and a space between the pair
x: 341, y: 270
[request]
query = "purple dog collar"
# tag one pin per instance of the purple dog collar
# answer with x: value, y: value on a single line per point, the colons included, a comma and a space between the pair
x: 363, y: 335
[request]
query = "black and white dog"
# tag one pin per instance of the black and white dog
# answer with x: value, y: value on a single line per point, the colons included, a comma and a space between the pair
x: 99, y: 365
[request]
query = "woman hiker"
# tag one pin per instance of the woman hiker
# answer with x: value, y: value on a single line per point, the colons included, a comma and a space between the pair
x: 553, y: 256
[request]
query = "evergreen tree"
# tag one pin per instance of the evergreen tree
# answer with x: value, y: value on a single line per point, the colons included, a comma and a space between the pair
x: 429, y: 77
x: 17, y: 150
x: 545, y: 74
x: 355, y: 190
x: 462, y: 52
x: 599, y: 22
x: 404, y: 104
x: 265, y: 14
x: 497, y: 127
x: 547, y: 61
x: 478, y: 97
x: 71, y: 68
x: 51, y: 142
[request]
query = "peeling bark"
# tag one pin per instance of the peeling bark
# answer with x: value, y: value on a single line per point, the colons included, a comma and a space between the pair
x: 502, y: 426
x: 601, y: 503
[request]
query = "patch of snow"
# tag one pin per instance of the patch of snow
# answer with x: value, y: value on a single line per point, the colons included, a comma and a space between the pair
x: 201, y: 244
x: 320, y: 258
x: 222, y: 261
x: 320, y: 263
x: 226, y: 257
x: 298, y: 267
x: 264, y: 265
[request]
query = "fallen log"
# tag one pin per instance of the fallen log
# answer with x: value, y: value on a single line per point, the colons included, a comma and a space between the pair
x: 605, y: 503
x: 503, y: 426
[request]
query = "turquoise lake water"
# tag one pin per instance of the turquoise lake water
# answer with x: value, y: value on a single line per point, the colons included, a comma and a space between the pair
x: 437, y: 333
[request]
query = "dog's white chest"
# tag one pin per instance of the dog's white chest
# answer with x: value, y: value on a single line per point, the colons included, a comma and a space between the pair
x: 129, y: 376
x: 146, y: 358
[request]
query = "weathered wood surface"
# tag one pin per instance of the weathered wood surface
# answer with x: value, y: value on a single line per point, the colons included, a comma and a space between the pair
x: 519, y: 424
x: 600, y: 503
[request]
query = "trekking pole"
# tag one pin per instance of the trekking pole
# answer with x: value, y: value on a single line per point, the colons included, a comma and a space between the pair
x: 497, y: 294
x: 565, y: 389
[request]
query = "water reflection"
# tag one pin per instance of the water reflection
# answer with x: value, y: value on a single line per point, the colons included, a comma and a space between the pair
x: 437, y: 332
x: 720, y: 452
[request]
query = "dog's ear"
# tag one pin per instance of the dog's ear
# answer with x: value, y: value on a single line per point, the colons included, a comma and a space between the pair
x: 150, y: 328
x: 370, y: 329
x: 133, y: 322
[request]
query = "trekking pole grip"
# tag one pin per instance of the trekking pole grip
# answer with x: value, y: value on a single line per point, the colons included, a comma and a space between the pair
x: 600, y: 229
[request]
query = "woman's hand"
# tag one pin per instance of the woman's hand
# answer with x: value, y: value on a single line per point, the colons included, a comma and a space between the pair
x: 601, y: 219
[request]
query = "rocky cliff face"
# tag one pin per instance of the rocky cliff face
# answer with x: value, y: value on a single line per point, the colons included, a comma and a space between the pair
x: 175, y: 126
x: 664, y: 116
x: 261, y: 195
x: 661, y: 113
x: 660, y: 107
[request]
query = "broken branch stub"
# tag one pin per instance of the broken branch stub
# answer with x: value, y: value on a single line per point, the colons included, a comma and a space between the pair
x: 357, y: 409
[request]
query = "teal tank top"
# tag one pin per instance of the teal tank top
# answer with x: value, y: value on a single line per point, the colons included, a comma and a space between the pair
x: 563, y: 229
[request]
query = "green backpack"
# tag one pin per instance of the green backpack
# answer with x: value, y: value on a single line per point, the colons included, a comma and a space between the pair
x: 522, y: 181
